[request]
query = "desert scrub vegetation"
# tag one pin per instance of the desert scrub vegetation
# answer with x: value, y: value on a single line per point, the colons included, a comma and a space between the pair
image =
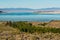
x: 28, y: 27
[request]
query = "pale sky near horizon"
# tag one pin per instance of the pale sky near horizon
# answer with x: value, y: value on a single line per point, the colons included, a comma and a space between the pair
x: 35, y: 4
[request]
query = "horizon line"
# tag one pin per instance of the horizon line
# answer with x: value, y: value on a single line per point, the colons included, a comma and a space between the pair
x: 30, y: 8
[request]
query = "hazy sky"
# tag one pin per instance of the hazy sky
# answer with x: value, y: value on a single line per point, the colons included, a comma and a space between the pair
x: 29, y: 3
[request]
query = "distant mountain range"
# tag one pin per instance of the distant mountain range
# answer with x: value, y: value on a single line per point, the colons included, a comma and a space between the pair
x: 16, y: 9
x: 29, y: 9
x: 49, y: 9
x: 43, y: 10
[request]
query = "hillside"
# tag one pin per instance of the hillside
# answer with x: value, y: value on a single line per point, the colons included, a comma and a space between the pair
x: 27, y: 31
x: 7, y: 32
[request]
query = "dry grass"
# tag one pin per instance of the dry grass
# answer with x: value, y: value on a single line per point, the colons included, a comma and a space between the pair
x: 9, y: 33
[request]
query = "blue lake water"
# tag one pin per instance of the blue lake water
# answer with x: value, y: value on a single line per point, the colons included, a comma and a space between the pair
x: 23, y: 16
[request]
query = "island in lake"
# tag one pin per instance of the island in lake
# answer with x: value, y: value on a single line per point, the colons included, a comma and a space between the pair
x: 1, y: 11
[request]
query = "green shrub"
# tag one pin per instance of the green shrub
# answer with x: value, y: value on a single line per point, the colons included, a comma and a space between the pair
x: 28, y: 27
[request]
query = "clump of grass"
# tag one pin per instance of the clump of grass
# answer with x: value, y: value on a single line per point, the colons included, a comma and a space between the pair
x: 28, y: 27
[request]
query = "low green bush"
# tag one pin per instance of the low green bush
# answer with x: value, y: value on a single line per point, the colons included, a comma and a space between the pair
x: 28, y: 27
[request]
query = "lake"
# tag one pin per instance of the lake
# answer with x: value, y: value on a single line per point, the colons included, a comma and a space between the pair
x: 28, y: 16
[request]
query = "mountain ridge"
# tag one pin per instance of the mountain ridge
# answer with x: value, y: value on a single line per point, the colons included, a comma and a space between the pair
x: 29, y: 9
